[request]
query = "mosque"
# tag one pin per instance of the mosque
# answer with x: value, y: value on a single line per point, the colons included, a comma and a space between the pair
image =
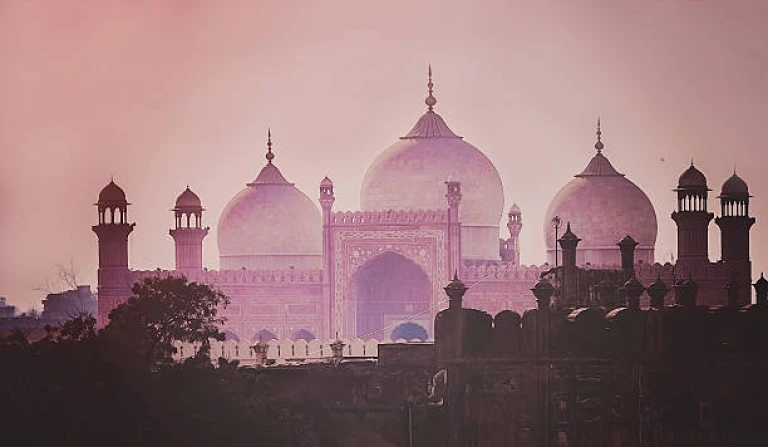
x: 431, y: 205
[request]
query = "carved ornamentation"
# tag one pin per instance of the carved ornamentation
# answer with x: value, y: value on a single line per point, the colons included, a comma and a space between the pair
x: 355, y: 248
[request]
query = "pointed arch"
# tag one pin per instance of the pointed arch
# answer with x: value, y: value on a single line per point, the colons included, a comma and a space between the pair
x: 264, y: 335
x: 303, y: 334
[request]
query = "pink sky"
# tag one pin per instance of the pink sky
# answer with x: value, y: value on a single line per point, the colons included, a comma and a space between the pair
x: 163, y: 94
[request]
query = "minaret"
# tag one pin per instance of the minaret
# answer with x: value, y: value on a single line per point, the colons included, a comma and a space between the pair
x: 569, y: 297
x: 627, y: 248
x: 188, y: 233
x: 511, y: 251
x: 692, y: 219
x: 327, y: 197
x: 453, y: 195
x: 113, y: 230
x: 735, y: 223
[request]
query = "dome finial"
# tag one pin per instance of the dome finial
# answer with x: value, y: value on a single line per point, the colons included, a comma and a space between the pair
x: 431, y: 100
x: 599, y: 145
x: 270, y: 155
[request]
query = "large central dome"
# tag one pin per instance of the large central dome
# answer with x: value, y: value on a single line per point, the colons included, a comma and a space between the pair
x: 603, y: 207
x: 270, y: 225
x: 411, y: 175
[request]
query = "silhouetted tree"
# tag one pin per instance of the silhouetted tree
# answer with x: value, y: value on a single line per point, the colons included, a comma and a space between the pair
x: 81, y: 326
x: 162, y: 311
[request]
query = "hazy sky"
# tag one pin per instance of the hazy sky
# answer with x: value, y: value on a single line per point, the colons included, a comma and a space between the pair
x: 162, y: 94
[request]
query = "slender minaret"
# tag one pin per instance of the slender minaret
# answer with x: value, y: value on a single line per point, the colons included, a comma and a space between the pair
x: 188, y: 233
x: 113, y: 230
x: 332, y: 323
x: 735, y: 223
x: 453, y: 195
x: 692, y: 219
x: 511, y: 251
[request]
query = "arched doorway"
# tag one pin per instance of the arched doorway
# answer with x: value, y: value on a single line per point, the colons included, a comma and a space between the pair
x: 385, y: 291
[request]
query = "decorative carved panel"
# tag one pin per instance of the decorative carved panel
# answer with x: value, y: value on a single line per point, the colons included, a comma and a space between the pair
x: 355, y: 248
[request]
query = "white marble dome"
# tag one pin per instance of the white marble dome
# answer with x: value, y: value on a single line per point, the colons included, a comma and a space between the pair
x: 270, y: 225
x: 603, y: 207
x: 411, y: 175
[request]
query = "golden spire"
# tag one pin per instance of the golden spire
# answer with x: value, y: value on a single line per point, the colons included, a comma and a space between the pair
x: 270, y: 155
x: 599, y: 145
x: 430, y: 101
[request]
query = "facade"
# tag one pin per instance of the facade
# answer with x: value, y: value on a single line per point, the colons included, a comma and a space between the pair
x: 431, y: 206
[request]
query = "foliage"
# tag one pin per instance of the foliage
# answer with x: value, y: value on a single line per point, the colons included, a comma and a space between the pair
x: 162, y: 311
x: 80, y: 386
x: 81, y: 326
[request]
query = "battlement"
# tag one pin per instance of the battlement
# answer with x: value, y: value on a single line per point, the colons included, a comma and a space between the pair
x: 289, y: 276
x: 595, y: 332
x: 495, y: 270
x: 388, y: 217
x: 645, y: 273
x: 713, y: 270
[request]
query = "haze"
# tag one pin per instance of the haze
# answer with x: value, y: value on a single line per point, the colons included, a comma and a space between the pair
x: 163, y: 94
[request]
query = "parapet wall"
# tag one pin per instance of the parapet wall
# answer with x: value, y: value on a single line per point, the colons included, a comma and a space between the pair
x: 499, y: 271
x: 286, y: 351
x: 289, y: 276
x: 388, y: 217
x: 592, y: 332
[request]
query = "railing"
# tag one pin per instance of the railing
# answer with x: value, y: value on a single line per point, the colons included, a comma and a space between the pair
x: 286, y: 351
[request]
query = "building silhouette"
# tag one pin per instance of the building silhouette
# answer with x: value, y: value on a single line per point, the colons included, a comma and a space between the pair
x: 431, y: 206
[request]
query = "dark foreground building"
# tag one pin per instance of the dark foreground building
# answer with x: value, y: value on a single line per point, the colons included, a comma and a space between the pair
x: 608, y: 373
x: 602, y: 373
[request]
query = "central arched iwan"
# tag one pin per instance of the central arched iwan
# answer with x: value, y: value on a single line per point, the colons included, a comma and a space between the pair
x: 385, y: 291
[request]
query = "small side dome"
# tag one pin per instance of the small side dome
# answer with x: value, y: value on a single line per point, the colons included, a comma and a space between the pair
x: 270, y: 225
x: 326, y: 182
x: 692, y: 178
x: 602, y: 206
x: 735, y: 187
x: 188, y: 200
x: 112, y: 195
